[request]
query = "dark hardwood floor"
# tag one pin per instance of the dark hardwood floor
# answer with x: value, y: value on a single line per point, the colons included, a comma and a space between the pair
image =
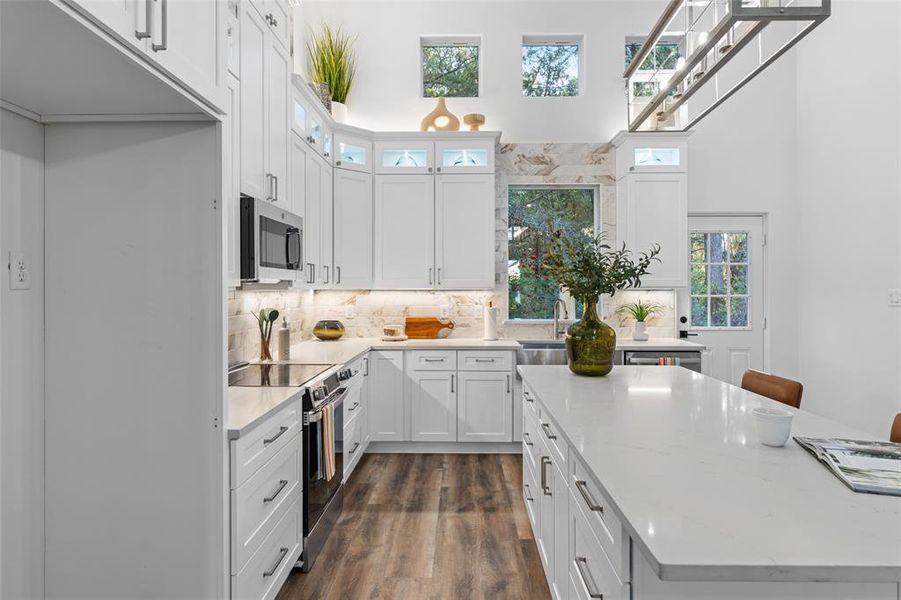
x: 429, y: 526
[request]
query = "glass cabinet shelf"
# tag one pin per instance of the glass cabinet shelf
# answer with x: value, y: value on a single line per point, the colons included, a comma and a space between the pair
x: 464, y: 157
x: 657, y: 157
x: 397, y: 158
x: 351, y: 153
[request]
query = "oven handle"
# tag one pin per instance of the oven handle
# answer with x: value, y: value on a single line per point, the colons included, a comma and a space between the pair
x: 316, y: 415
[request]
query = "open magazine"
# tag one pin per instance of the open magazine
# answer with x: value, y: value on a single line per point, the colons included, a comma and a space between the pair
x: 871, y: 467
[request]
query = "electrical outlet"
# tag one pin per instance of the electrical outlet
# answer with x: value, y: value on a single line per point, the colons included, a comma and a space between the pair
x: 894, y: 297
x: 445, y: 311
x: 349, y: 311
x: 19, y: 271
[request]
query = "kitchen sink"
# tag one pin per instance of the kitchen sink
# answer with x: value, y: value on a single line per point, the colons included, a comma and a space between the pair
x: 541, y: 352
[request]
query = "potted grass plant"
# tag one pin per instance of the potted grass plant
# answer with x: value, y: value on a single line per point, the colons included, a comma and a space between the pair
x: 640, y: 312
x: 332, y: 62
x: 587, y: 266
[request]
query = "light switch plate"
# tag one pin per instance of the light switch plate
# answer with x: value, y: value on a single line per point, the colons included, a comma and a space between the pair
x: 19, y: 271
x: 894, y: 297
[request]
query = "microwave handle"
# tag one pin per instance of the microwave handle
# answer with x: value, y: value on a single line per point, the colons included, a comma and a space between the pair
x: 293, y: 234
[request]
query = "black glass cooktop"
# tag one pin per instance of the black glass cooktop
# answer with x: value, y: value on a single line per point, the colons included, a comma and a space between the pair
x: 275, y: 375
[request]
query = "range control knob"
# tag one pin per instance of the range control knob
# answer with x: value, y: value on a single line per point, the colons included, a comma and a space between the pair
x: 345, y: 374
x: 320, y: 393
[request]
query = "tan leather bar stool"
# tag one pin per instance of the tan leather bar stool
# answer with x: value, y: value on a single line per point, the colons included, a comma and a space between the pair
x: 786, y: 391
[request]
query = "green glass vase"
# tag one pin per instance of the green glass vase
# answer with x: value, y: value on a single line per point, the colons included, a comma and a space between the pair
x: 590, y: 343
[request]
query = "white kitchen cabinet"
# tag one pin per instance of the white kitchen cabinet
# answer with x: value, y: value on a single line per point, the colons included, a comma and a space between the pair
x: 464, y: 231
x: 233, y: 38
x: 553, y: 525
x: 277, y: 15
x: 317, y: 220
x: 353, y: 153
x: 464, y: 156
x: 654, y: 210
x: 352, y: 231
x: 413, y: 156
x: 386, y: 396
x: 298, y: 187
x: 125, y: 18
x: 485, y: 406
x: 404, y: 232
x: 326, y: 225
x: 265, y: 148
x: 433, y: 406
x: 231, y: 182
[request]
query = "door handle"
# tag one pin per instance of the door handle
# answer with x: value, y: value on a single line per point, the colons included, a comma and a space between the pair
x: 547, y: 431
x: 281, y: 432
x: 528, y: 397
x: 587, y: 579
x: 508, y: 384
x: 283, y: 482
x: 354, y: 449
x: 452, y: 382
x: 275, y: 195
x: 148, y: 6
x: 282, y: 554
x: 586, y: 496
x: 545, y: 461
x: 164, y: 34
x: 430, y: 275
x: 337, y: 274
x: 311, y: 277
x: 527, y: 439
x: 525, y: 488
x: 365, y: 366
x: 439, y: 275
x: 325, y: 274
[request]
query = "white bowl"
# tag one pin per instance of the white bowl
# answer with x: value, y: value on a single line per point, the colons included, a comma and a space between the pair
x: 774, y: 425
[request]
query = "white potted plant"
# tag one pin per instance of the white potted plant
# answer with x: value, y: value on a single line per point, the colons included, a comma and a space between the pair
x: 332, y: 62
x: 640, y: 312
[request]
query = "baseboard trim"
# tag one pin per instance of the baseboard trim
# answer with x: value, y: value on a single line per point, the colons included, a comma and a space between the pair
x: 444, y: 448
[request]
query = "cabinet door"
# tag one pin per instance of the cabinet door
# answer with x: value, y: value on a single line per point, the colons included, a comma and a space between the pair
x: 279, y: 19
x: 464, y: 230
x: 560, y: 581
x: 352, y: 230
x: 546, y: 521
x: 298, y: 182
x: 655, y: 211
x: 404, y: 232
x: 254, y: 127
x: 433, y: 406
x: 231, y: 182
x: 326, y: 207
x: 125, y: 18
x: 365, y: 394
x: 485, y: 406
x: 404, y: 157
x: 353, y: 153
x: 386, y: 396
x: 278, y: 122
x: 469, y: 156
x: 186, y: 42
x: 313, y: 217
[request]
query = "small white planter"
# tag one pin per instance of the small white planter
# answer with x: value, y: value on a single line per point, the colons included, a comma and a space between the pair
x: 640, y: 333
x: 339, y: 112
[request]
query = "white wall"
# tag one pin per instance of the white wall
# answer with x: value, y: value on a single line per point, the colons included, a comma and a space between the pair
x: 386, y: 93
x: 849, y: 160
x: 21, y: 361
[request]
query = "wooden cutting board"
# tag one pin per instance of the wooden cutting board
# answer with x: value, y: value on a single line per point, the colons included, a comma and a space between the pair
x: 427, y: 328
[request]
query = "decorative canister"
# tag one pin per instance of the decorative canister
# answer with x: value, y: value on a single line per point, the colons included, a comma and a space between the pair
x: 328, y: 330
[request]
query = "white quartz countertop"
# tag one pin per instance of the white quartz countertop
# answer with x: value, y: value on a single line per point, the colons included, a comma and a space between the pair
x: 249, y: 406
x: 677, y: 453
x: 658, y: 345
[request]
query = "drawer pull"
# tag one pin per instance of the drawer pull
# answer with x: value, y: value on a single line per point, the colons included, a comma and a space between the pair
x: 281, y: 432
x: 275, y: 494
x: 508, y: 384
x: 484, y: 360
x: 527, y: 439
x: 545, y: 461
x: 431, y: 360
x: 354, y: 449
x: 528, y: 397
x: 585, y: 575
x: 547, y: 431
x: 281, y: 556
x: 589, y: 500
x: 529, y: 497
x: 354, y: 407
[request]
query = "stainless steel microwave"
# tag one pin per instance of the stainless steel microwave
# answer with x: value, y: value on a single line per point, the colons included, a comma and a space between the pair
x: 271, y: 242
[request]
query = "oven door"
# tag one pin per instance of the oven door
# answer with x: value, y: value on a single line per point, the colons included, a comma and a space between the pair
x: 319, y: 490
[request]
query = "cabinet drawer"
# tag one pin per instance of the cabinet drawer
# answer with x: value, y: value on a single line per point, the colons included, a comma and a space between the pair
x: 432, y: 360
x: 268, y: 568
x: 353, y: 445
x: 528, y: 400
x: 259, y: 503
x: 595, y: 507
x: 530, y: 493
x: 530, y: 441
x: 551, y: 438
x: 482, y: 360
x: 353, y: 404
x: 591, y: 573
x: 252, y: 451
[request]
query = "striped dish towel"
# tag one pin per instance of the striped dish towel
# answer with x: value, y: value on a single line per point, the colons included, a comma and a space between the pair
x: 328, y: 442
x: 669, y: 361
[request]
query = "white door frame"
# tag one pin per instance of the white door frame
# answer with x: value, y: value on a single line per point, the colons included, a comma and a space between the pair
x: 685, y: 308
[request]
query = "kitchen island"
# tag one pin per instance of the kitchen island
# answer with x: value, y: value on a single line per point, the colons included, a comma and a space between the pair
x: 670, y: 495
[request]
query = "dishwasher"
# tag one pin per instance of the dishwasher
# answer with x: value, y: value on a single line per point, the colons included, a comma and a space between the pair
x: 688, y: 359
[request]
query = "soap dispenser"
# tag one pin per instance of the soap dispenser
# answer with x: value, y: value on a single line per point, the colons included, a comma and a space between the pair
x: 284, y: 341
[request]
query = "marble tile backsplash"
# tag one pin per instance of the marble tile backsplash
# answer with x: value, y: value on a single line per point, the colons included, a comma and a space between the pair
x: 365, y: 312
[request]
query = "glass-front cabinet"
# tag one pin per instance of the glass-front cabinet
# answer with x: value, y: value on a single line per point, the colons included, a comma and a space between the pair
x: 651, y: 153
x: 464, y: 156
x: 353, y: 153
x: 299, y: 114
x: 405, y: 156
x: 328, y: 144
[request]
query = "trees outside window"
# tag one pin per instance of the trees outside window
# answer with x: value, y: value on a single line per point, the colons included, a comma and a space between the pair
x: 550, y: 68
x: 656, y: 67
x: 450, y: 68
x: 535, y: 213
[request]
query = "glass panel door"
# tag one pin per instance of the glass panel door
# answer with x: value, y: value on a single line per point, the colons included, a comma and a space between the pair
x: 404, y: 156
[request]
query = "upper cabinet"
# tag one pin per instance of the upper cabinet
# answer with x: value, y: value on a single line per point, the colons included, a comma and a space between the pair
x: 464, y: 231
x: 462, y: 154
x: 277, y: 15
x: 404, y: 232
x: 353, y: 153
x: 405, y: 156
x: 651, y: 153
x: 185, y: 39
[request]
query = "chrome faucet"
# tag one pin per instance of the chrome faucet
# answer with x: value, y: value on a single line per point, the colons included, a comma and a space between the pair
x: 557, y: 304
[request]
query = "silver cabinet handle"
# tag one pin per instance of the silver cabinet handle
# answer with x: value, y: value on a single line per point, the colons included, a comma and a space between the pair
x: 452, y: 382
x: 439, y: 275
x: 527, y: 439
x: 587, y: 579
x: 365, y: 366
x: 354, y: 449
x: 508, y: 384
x: 281, y: 432
x: 528, y: 397
x: 164, y: 17
x: 545, y: 461
x: 354, y: 407
x: 430, y: 169
x: 432, y: 360
x: 148, y: 5
x: 484, y: 360
x: 430, y: 275
x: 282, y: 554
x: 324, y: 273
x: 311, y: 278
x: 525, y: 488
x: 275, y: 494
x: 337, y: 274
x: 275, y: 195
x: 548, y: 432
x: 587, y: 497
x: 438, y: 169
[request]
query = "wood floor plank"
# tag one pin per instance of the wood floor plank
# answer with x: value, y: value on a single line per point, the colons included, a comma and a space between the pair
x: 428, y: 527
